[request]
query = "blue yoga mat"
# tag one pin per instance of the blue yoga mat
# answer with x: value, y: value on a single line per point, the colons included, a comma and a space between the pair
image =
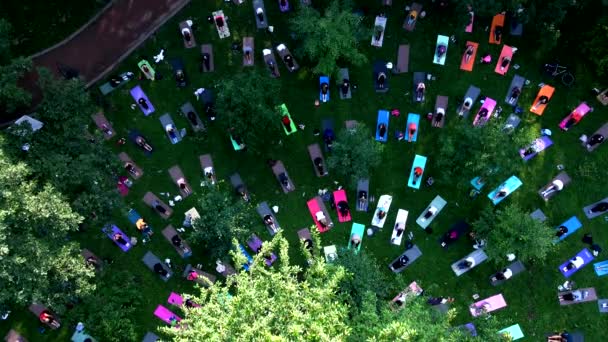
x: 573, y: 224
x: 382, y: 119
x: 512, y: 184
x: 418, y: 161
x: 323, y: 79
x: 133, y: 216
x: 475, y: 184
x: 415, y: 118
x: 601, y: 268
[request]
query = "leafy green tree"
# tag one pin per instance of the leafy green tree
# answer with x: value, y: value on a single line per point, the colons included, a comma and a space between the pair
x: 110, y: 312
x: 330, y: 38
x: 363, y: 275
x: 35, y: 220
x: 596, y: 47
x: 247, y: 103
x: 225, y: 218
x: 481, y: 151
x: 269, y: 304
x: 512, y: 230
x: 355, y: 154
x: 12, y: 96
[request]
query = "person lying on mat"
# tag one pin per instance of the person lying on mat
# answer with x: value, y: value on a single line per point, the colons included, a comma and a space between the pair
x: 556, y: 185
x: 145, y: 68
x: 420, y: 88
x: 285, y: 180
x: 289, y: 61
x: 381, y: 79
x: 141, y: 142
x: 171, y: 131
x: 417, y: 174
x: 159, y: 269
x: 143, y: 226
x: 186, y: 34
x: 561, y: 231
x: 355, y: 240
x: 219, y: 21
x: 159, y: 207
x: 181, y: 183
x: 483, y: 114
x: 273, y: 67
x: 574, y: 296
x: 328, y: 138
x: 320, y: 216
x: 269, y: 221
x: 441, y: 49
x: 259, y: 12
x: 468, y: 53
x: 595, y: 140
x: 497, y: 33
x: 192, y: 275
x: 469, y: 262
x: 286, y: 122
x: 343, y: 208
x: 503, y: 192
x: 482, y: 308
x: 399, y: 228
x: 432, y: 211
x: 381, y: 214
x: 440, y: 300
x: 599, y: 208
x: 382, y: 131
x: 505, y: 63
x: 401, y: 262
x: 47, y: 318
x: 574, y: 119
x: 449, y: 237
x: 177, y: 241
x: 411, y: 131
x: 362, y: 198
x: 120, y: 239
x: 556, y: 337
x: 106, y: 130
x: 131, y: 169
x: 143, y: 103
x: 468, y: 102
x: 345, y: 86
x: 209, y: 174
x: 411, y: 19
x: 206, y: 59
x: 248, y: 57
x: 319, y: 165
x: 438, y: 116
x: 575, y: 263
x: 324, y: 90
x: 543, y: 100
x: 115, y: 81
x: 505, y: 274
x: 514, y: 95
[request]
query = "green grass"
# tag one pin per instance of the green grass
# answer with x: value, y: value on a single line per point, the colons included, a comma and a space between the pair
x: 531, y: 296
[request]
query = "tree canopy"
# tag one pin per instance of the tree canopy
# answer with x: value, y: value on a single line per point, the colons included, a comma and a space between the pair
x: 12, y: 96
x: 330, y: 38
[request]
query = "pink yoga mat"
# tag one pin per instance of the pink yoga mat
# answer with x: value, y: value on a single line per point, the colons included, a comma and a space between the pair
x: 165, y: 314
x: 496, y: 302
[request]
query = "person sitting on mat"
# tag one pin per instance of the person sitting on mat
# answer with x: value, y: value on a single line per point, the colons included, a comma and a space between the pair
x: 575, y: 263
x: 561, y: 231
x: 242, y: 191
x: 120, y: 239
x: 289, y: 61
x: 503, y: 192
x: 345, y: 86
x: 319, y: 165
x: 285, y: 181
x: 259, y: 12
x: 143, y: 226
x: 530, y: 150
x: 48, y: 318
x: 382, y: 131
x: 594, y: 140
x: 439, y: 300
x: 286, y: 122
x: 159, y: 269
x: 468, y: 53
x: 417, y: 174
x: 483, y: 113
x: 181, y: 183
x: 355, y: 240
x: 432, y: 211
x: 145, y: 68
x: 505, y: 274
x: 420, y: 88
x: 469, y: 262
x: 362, y: 198
x: 343, y: 208
x: 556, y: 185
x: 543, y: 100
x: 514, y: 95
x: 186, y: 34
x: 497, y: 33
x: 324, y: 90
x: 143, y: 103
x: 141, y: 142
x: 438, y: 117
x: 449, y: 237
x: 206, y: 58
x: 320, y: 216
x: 574, y: 118
x: 192, y: 275
x: 505, y: 63
x: 159, y: 207
x: 573, y: 296
x: 381, y: 79
x: 131, y: 169
x: 411, y: 19
x: 401, y: 262
x: 411, y: 131
x: 210, y: 174
x: 269, y: 221
x: 481, y: 309
x: 599, y: 208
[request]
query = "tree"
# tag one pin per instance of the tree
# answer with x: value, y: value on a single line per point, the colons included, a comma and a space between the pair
x: 248, y: 104
x: 225, y: 218
x: 12, y: 96
x: 512, y: 230
x: 331, y: 38
x: 481, y: 151
x: 269, y: 304
x: 354, y: 154
x: 35, y: 220
x: 596, y: 47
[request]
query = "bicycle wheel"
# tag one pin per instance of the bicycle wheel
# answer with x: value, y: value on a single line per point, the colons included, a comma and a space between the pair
x: 568, y: 79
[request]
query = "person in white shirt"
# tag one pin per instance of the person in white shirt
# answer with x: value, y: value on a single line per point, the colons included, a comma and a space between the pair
x: 575, y: 263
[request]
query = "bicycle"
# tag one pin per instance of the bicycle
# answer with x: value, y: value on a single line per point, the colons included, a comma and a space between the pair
x: 554, y: 70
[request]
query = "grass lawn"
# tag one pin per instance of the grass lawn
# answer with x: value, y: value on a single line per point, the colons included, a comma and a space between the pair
x: 531, y: 296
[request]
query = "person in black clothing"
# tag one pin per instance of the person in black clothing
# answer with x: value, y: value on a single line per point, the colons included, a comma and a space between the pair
x: 561, y: 231
x: 159, y: 269
x: 595, y: 139
x: 401, y: 262
x: 143, y: 103
x: 177, y: 241
x: 599, y: 208
x: 345, y: 86
x: 343, y: 208
x: 206, y: 57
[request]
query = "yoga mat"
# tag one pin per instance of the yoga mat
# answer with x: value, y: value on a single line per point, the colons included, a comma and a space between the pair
x: 463, y: 64
x: 403, y: 59
x: 188, y: 108
x: 603, y: 131
x: 314, y: 206
x: 115, y: 230
x: 126, y: 159
x: 441, y: 40
x: 507, y: 51
x: 440, y: 103
x: 383, y: 116
x: 419, y: 77
x: 363, y: 185
x: 518, y: 82
x: 562, y: 176
x: 384, y: 203
x: 331, y: 253
x: 513, y: 331
x: 587, y: 258
x: 438, y: 203
x: 169, y: 232
x: 412, y: 118
x: 512, y: 122
x: 323, y: 79
x: 593, y: 215
x: 187, y: 44
x: 283, y: 111
x: 478, y: 255
x: 150, y: 260
x: 412, y: 253
x: 107, y: 88
x: 204, y: 279
x: 419, y: 161
x: 149, y: 198
x: 207, y: 162
x: 207, y: 49
x: 542, y: 144
x: 314, y: 151
x: 573, y: 224
x: 165, y: 314
x: 591, y: 296
x: 278, y: 168
x: 545, y: 90
x: 488, y: 104
x: 247, y: 256
x: 88, y: 254
x: 176, y: 174
x: 165, y: 121
x: 178, y: 67
x: 581, y: 110
x: 497, y: 20
x: 343, y: 75
x: 261, y: 24
x: 472, y: 93
x: 263, y: 209
x: 512, y: 184
x: 358, y: 229
x: 516, y: 268
x: 223, y: 31
x: 517, y: 28
x: 380, y: 21
x: 602, y: 305
x: 138, y: 93
x: 380, y: 66
x: 476, y: 184
x: 601, y: 268
x: 150, y: 73
x: 469, y: 27
x: 400, y: 220
x: 283, y: 52
x: 415, y: 7
x: 538, y: 215
x: 496, y: 302
x: 37, y: 309
x: 255, y: 243
x: 100, y: 120
x: 248, y: 46
x: 340, y: 195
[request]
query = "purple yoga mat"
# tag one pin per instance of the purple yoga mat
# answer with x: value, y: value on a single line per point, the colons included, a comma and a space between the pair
x: 587, y: 257
x: 254, y: 243
x: 543, y: 141
x: 111, y: 236
x: 138, y: 93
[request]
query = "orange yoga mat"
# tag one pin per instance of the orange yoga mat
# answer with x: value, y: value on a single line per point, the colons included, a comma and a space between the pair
x: 507, y: 51
x: 547, y: 91
x: 498, y: 20
x: 469, y: 66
